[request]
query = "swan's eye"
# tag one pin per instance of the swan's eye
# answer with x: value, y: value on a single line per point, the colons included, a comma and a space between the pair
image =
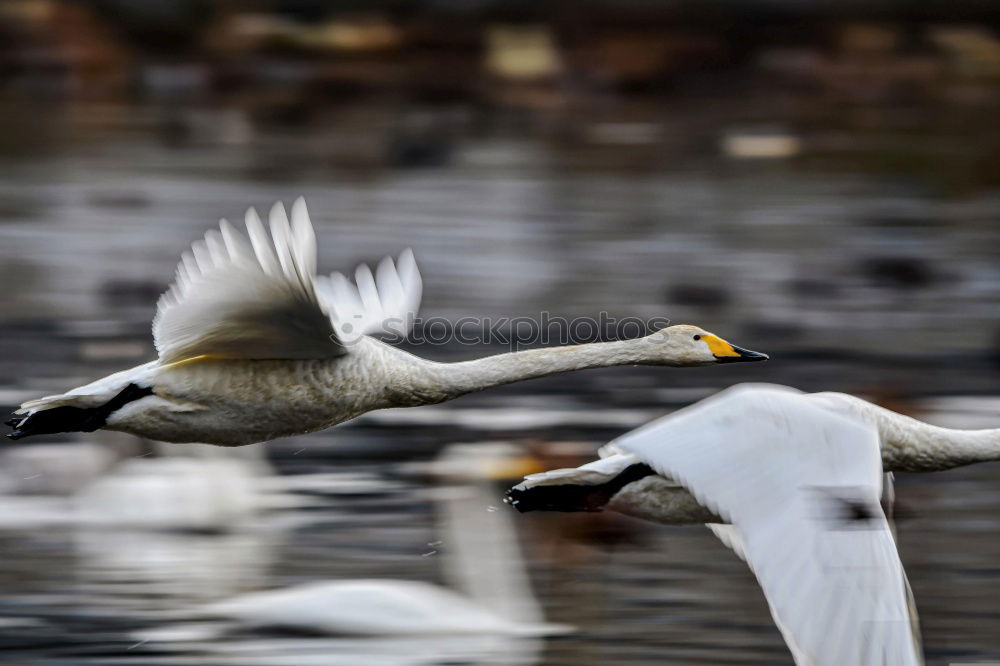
x: 697, y: 337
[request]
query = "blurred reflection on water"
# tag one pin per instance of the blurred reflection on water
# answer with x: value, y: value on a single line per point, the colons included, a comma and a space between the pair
x: 514, y: 224
x: 808, y: 264
x: 75, y: 593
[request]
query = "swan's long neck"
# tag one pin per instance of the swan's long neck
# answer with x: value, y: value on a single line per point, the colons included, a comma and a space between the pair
x: 479, y: 541
x: 426, y: 382
x: 910, y: 445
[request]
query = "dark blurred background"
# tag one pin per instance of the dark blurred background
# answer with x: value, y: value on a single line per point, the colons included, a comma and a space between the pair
x: 819, y: 180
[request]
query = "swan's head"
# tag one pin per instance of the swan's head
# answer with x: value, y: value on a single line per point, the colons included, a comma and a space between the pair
x: 685, y: 345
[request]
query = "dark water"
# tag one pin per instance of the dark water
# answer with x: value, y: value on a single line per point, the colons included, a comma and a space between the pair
x: 638, y: 593
x: 798, y: 262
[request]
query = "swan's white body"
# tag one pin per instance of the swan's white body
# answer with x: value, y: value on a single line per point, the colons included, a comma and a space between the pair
x: 370, y: 608
x: 253, y: 345
x: 202, y: 488
x: 798, y: 478
x: 491, y: 596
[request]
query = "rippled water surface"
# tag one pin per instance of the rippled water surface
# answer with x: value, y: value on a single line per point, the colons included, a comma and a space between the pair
x: 90, y: 236
x: 637, y: 593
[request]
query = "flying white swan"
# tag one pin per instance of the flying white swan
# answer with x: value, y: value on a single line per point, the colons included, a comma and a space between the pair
x: 253, y: 346
x: 798, y: 478
x: 483, y: 561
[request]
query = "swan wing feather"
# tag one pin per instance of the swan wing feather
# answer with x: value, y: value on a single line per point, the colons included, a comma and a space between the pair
x: 241, y: 299
x: 383, y: 302
x: 800, y: 486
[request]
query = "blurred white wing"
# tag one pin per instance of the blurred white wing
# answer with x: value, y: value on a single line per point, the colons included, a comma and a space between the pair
x: 800, y: 486
x: 384, y: 302
x: 256, y: 299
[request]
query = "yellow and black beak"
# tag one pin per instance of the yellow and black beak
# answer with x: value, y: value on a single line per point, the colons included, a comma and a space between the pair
x: 727, y: 353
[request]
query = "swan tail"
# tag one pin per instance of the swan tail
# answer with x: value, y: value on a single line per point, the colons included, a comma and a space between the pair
x: 571, y: 490
x: 70, y: 413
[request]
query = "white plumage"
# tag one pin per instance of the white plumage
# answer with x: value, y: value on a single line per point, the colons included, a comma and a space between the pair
x: 262, y: 299
x: 384, y: 302
x: 238, y: 300
x: 800, y: 486
x: 797, y: 480
x: 491, y: 592
x: 253, y: 345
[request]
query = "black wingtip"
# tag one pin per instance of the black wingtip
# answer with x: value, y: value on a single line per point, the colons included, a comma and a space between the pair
x: 567, y: 498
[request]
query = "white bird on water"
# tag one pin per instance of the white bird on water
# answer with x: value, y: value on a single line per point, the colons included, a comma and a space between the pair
x: 791, y: 482
x: 491, y: 591
x: 253, y: 345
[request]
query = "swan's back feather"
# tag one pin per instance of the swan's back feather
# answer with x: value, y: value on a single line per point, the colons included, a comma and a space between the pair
x: 800, y: 486
x: 237, y: 300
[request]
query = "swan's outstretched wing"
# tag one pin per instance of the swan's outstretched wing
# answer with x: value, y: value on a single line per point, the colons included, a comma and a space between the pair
x: 800, y: 486
x: 238, y: 299
x: 383, y: 302
x: 261, y: 299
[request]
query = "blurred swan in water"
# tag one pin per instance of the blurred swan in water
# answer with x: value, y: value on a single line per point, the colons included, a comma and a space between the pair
x: 205, y: 489
x: 797, y: 478
x: 173, y: 567
x: 195, y: 488
x: 466, y: 650
x: 253, y: 345
x: 482, y: 559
